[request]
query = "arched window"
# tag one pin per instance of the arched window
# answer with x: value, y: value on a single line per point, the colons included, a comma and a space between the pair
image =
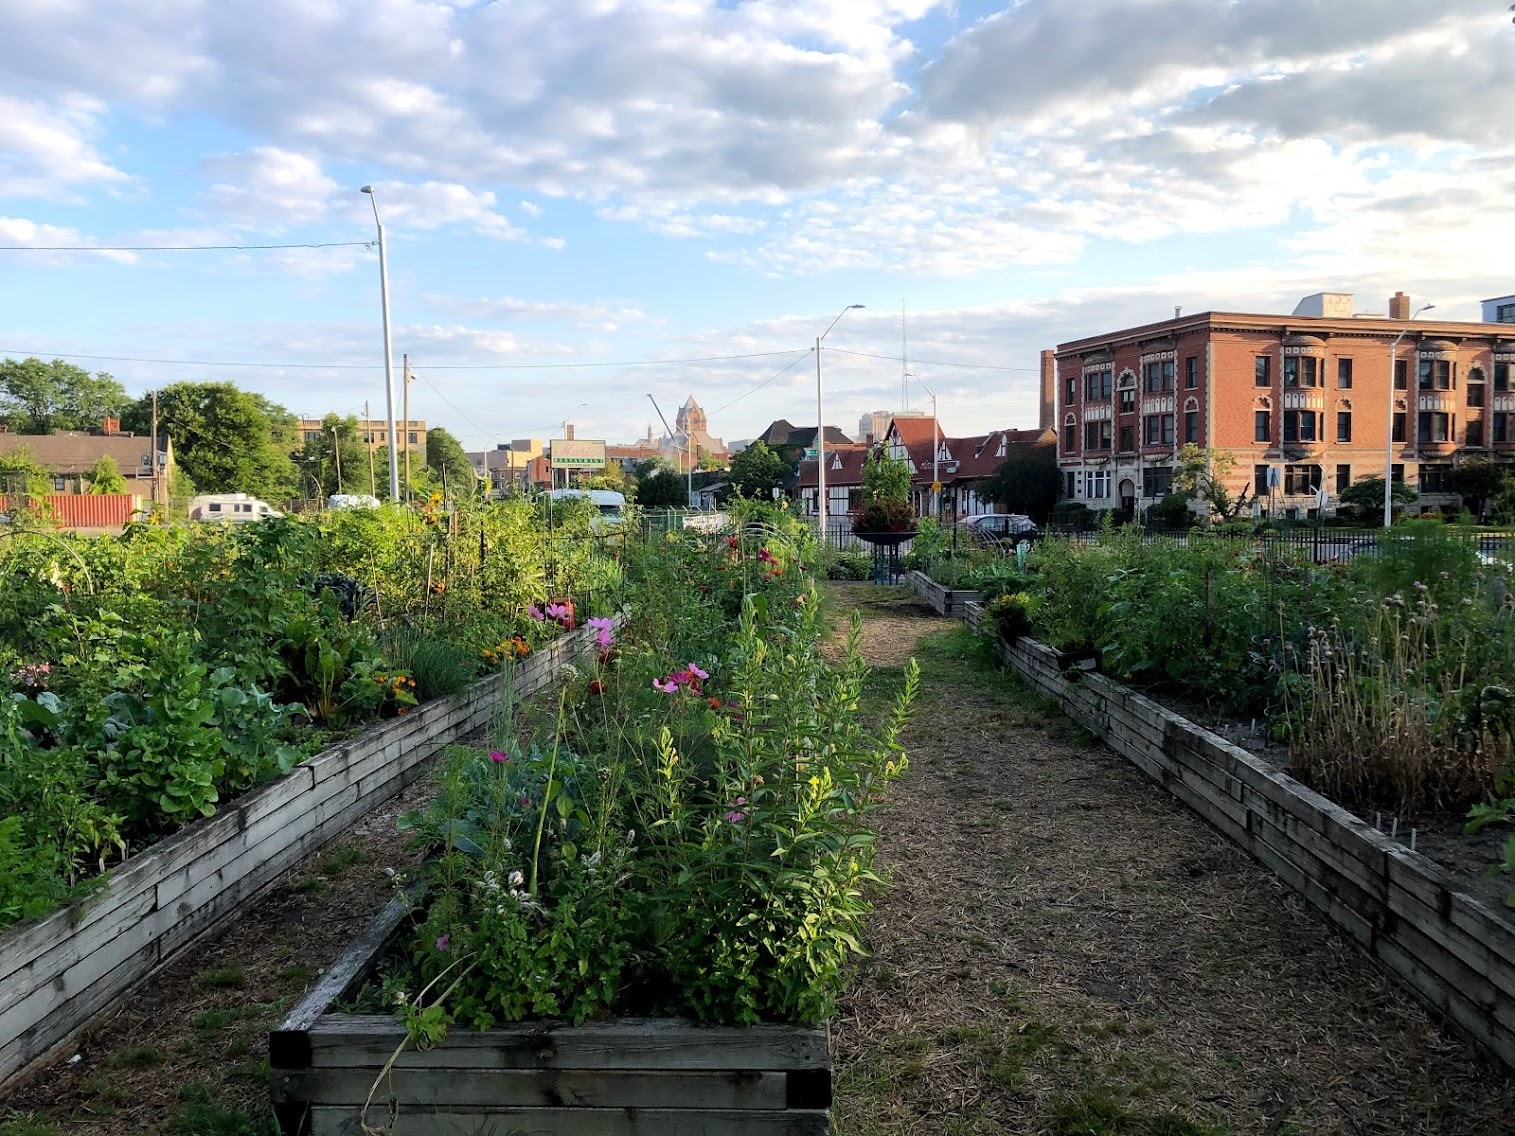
x: 1070, y: 434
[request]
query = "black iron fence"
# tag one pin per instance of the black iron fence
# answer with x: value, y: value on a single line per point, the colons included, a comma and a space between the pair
x: 1324, y: 544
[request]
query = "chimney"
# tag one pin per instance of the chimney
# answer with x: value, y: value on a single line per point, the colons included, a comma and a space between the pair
x: 110, y: 427
x: 1399, y: 306
x: 1048, y: 415
x: 568, y: 433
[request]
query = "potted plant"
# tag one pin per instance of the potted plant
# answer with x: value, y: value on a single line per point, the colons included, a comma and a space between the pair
x: 884, y: 514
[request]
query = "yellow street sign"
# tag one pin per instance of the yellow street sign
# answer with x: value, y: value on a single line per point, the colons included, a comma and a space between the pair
x: 936, y: 487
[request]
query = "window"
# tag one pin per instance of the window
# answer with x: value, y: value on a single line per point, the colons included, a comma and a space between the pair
x: 1097, y: 435
x: 1259, y: 481
x: 1159, y: 430
x: 1301, y: 480
x: 1099, y: 484
x: 1501, y: 427
x: 1344, y: 374
x: 1502, y: 376
x: 1299, y: 426
x: 1397, y: 474
x: 1070, y: 389
x: 1191, y: 372
x: 1128, y: 401
x: 1399, y: 426
x: 1262, y: 426
x: 1504, y: 313
x: 1475, y: 386
x: 1127, y: 439
x: 1343, y: 425
x: 60, y: 484
x: 1434, y: 426
x: 1191, y: 426
x: 1070, y: 437
x: 1154, y: 377
x: 1264, y: 370
x: 1433, y: 478
x: 1343, y: 477
x: 1070, y: 485
x: 312, y: 435
x: 1156, y: 482
x: 412, y: 437
x: 1401, y: 374
x: 1473, y: 434
x: 1097, y: 385
x: 215, y: 506
x: 1301, y: 371
x: 1435, y: 374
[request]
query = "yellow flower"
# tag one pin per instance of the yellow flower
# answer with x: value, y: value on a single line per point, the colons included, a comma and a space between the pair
x: 815, y: 782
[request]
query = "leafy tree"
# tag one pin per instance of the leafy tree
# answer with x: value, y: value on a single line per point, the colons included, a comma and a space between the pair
x: 1479, y: 482
x: 709, y: 461
x: 341, y: 449
x: 1202, y: 473
x: 757, y: 471
x: 38, y: 397
x: 20, y: 473
x: 226, y: 440
x: 1026, y: 482
x: 105, y: 477
x: 1365, y: 498
x: 446, y: 459
x: 612, y: 477
x: 663, y: 489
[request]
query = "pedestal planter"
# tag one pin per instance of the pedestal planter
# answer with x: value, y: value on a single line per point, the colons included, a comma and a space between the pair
x: 886, y: 553
x: 630, y: 1077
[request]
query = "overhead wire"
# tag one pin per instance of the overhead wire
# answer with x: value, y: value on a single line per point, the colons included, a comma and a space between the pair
x: 371, y: 366
x: 934, y: 362
x: 183, y: 248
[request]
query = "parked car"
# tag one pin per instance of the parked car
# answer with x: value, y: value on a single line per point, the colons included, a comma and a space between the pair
x: 999, y: 528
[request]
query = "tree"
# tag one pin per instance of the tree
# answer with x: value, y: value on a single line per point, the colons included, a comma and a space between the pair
x: 20, y: 474
x: 612, y: 477
x: 445, y: 458
x: 1478, y: 482
x: 663, y: 489
x: 1365, y: 498
x: 757, y: 471
x: 105, y: 477
x: 1026, y: 482
x: 225, y: 439
x: 38, y: 397
x: 336, y: 460
x: 1203, y: 473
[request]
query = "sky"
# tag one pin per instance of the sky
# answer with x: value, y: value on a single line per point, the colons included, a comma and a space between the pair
x: 590, y: 201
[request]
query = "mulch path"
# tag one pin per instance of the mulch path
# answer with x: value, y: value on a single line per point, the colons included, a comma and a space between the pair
x: 1063, y: 948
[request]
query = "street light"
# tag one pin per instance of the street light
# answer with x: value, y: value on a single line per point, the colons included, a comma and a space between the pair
x: 936, y: 450
x: 820, y: 430
x: 1388, y: 449
x: 389, y: 357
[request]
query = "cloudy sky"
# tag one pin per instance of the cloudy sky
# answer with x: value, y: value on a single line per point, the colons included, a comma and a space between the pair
x: 569, y: 182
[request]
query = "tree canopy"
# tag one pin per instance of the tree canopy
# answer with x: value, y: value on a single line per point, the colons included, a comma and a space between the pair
x: 446, y: 459
x: 1366, y: 496
x: 105, y: 477
x: 1026, y: 482
x: 757, y: 471
x: 664, y: 488
x: 38, y: 397
x: 340, y: 449
x: 1478, y: 482
x: 225, y: 439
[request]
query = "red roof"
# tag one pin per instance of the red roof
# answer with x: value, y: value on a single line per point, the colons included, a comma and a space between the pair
x: 850, y: 458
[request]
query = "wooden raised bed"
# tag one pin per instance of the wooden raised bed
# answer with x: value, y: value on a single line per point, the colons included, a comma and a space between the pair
x: 630, y: 1077
x: 942, y: 599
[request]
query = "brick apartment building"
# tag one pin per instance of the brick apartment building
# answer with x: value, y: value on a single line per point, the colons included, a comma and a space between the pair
x: 1300, y: 401
x: 409, y: 436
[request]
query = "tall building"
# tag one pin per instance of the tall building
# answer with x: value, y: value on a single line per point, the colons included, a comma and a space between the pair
x: 409, y: 436
x: 1303, y: 402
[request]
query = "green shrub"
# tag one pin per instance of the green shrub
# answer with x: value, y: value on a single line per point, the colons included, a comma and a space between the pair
x: 440, y: 667
x: 844, y: 564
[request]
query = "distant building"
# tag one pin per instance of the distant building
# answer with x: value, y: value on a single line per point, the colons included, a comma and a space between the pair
x: 70, y: 455
x: 507, y: 466
x: 782, y: 434
x: 874, y: 425
x: 409, y: 436
x: 1501, y: 309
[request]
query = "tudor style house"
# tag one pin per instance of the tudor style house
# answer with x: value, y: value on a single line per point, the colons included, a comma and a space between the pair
x: 1302, y: 402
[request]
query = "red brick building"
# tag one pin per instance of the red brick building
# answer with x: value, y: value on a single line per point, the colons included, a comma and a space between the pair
x: 1300, y: 401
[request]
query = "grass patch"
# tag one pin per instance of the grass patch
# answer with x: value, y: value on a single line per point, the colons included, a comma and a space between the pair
x: 229, y: 977
x: 105, y: 1089
x: 201, y: 1112
x: 311, y: 885
x: 136, y: 1057
x: 1096, y: 1113
x: 298, y: 972
x: 27, y: 1126
x: 348, y: 856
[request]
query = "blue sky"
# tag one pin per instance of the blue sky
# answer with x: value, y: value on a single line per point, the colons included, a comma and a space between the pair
x: 586, y: 181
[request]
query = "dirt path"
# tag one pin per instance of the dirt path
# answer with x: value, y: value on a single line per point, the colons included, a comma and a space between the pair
x: 1065, y: 949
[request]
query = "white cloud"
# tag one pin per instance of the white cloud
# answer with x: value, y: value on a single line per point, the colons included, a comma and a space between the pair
x: 268, y: 186
x: 48, y: 150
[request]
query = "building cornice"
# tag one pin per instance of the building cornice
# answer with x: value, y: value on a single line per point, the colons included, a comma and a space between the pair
x: 1363, y: 327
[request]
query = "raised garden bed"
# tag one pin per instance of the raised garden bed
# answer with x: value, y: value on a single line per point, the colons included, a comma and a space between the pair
x: 1451, y: 950
x: 58, y: 972
x: 637, y: 1077
x: 940, y: 598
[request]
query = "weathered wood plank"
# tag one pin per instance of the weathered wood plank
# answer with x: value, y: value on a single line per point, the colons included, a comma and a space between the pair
x: 343, y: 1121
x: 632, y: 1043
x: 535, y: 1088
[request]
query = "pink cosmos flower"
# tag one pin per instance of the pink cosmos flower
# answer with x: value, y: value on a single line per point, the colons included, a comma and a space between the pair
x: 556, y: 611
x: 699, y: 674
x: 667, y: 686
x: 498, y: 757
x: 444, y: 943
x: 535, y: 612
x: 604, y: 633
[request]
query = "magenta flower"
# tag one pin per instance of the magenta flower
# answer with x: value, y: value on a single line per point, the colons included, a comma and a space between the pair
x: 765, y: 556
x: 699, y: 674
x: 604, y: 633
x: 667, y: 686
x: 535, y: 612
x: 444, y: 943
x: 735, y: 817
x: 556, y: 611
x: 498, y: 757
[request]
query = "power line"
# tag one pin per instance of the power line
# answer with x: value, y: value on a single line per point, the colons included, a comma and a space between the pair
x: 371, y: 366
x: 625, y: 363
x: 173, y: 247
x: 935, y: 362
x: 803, y: 355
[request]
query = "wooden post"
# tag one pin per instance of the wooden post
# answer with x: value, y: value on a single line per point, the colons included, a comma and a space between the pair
x: 405, y: 414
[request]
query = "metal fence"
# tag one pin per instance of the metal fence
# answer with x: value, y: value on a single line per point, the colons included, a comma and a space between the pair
x: 1321, y: 544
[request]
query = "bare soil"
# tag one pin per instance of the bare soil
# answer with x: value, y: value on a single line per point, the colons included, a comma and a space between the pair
x: 1065, y: 949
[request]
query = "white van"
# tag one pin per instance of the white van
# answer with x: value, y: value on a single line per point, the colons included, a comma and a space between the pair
x: 232, y: 508
x: 612, y: 505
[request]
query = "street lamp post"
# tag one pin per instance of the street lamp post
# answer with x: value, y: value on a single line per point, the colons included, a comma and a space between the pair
x: 1388, y: 448
x: 389, y: 357
x: 820, y: 431
x: 936, y: 452
x: 566, y: 419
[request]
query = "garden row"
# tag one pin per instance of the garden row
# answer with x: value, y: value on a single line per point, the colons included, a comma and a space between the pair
x: 639, y: 901
x: 148, y: 679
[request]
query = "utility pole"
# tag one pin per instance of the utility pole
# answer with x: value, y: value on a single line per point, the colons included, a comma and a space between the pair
x: 373, y: 488
x: 405, y: 362
x: 688, y: 464
x: 153, y: 443
x: 336, y: 452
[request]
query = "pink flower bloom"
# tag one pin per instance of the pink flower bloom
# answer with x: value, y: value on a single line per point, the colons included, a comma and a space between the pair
x: 667, y: 686
x: 604, y: 633
x: 683, y: 678
x: 736, y: 817
x: 535, y: 612
x: 699, y: 674
x: 765, y: 556
x: 556, y: 611
x: 498, y: 757
x: 444, y: 942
